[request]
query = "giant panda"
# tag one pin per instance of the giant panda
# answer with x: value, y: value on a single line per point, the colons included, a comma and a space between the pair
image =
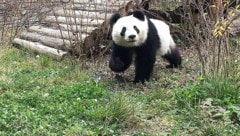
x: 137, y: 34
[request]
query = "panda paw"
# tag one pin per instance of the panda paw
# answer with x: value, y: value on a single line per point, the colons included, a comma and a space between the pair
x: 116, y: 65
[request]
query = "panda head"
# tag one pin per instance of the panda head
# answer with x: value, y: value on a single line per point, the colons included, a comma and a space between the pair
x: 129, y: 31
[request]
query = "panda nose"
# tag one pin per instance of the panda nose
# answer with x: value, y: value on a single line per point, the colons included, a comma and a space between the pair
x: 131, y: 37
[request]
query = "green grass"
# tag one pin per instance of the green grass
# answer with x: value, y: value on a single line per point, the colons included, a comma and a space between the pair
x: 44, y: 97
x: 40, y: 96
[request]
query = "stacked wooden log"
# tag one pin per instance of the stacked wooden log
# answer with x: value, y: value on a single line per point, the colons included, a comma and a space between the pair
x: 65, y: 30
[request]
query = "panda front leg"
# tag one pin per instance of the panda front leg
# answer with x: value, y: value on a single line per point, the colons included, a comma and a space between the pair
x: 121, y: 58
x: 144, y: 63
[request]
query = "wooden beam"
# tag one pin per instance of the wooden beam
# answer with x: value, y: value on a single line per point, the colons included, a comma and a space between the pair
x: 53, y: 32
x: 39, y: 48
x: 81, y: 14
x: 46, y: 40
x: 74, y: 21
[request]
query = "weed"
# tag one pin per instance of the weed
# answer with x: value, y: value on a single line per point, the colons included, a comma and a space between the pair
x: 191, y: 95
x: 234, y: 113
x: 44, y: 61
x: 212, y: 130
x: 224, y: 91
x: 140, y: 134
x: 120, y: 109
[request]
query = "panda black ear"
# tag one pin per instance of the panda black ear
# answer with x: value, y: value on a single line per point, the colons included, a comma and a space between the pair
x: 114, y: 19
x: 139, y: 15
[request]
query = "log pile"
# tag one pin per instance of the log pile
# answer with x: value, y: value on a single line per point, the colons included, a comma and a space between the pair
x: 78, y: 26
x: 70, y: 28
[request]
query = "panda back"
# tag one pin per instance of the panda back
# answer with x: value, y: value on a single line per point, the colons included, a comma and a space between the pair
x: 164, y: 36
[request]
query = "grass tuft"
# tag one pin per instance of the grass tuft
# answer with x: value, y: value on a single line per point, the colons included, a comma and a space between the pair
x: 120, y: 110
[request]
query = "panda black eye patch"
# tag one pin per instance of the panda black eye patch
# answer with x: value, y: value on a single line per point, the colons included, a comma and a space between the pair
x: 123, y: 31
x: 137, y: 30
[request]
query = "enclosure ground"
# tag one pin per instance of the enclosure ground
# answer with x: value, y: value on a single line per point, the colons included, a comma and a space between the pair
x: 40, y: 96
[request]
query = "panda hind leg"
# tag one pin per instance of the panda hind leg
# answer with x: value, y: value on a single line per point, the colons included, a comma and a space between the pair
x: 174, y: 58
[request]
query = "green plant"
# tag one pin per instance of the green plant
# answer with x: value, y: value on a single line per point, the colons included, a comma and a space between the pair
x: 192, y: 94
x: 234, y: 113
x: 44, y: 61
x: 223, y: 89
x: 120, y: 109
x: 140, y: 134
x: 210, y: 129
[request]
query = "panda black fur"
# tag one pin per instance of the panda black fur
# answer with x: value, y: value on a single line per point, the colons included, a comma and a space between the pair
x: 143, y: 36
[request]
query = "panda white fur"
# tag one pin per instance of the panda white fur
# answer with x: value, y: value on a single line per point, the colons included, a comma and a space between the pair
x: 143, y: 36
